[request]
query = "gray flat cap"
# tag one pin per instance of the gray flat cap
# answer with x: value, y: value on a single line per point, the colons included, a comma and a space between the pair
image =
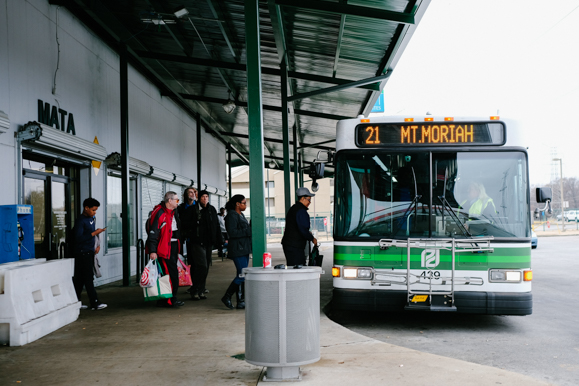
x: 304, y: 192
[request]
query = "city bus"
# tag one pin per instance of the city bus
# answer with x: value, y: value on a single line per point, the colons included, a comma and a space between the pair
x: 431, y: 213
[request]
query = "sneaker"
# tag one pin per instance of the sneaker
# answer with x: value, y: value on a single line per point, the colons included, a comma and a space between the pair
x: 83, y: 307
x: 100, y: 306
x: 205, y: 291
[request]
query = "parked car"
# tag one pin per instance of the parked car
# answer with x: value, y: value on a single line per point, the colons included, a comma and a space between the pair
x: 570, y: 215
x: 534, y: 240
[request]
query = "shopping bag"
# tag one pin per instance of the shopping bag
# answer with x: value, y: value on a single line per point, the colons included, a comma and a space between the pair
x: 161, y: 289
x: 149, y: 276
x: 315, y: 257
x: 184, y: 273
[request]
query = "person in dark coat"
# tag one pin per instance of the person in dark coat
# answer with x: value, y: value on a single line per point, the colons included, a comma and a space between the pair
x: 186, y: 212
x: 239, y: 248
x: 203, y: 233
x: 84, y: 251
x: 297, y: 229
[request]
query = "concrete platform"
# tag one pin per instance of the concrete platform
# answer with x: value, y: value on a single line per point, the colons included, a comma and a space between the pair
x: 135, y: 343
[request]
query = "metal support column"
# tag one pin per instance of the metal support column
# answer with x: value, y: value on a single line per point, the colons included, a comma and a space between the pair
x: 229, y: 167
x: 255, y: 115
x: 296, y: 162
x: 285, y: 129
x: 126, y: 208
x: 301, y: 168
x: 198, y: 133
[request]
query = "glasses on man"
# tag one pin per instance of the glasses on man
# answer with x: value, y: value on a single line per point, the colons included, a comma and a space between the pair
x: 176, y: 199
x: 308, y: 199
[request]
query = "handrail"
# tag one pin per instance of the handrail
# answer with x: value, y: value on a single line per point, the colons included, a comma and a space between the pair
x: 141, y: 259
x: 61, y: 250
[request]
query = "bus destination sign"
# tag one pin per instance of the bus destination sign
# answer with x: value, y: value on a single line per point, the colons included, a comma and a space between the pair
x: 430, y: 134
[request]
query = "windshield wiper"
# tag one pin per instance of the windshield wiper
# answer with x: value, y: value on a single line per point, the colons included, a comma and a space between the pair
x: 446, y: 204
x: 413, y: 205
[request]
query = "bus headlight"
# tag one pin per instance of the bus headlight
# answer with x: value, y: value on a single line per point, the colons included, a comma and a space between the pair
x: 505, y: 276
x: 357, y: 273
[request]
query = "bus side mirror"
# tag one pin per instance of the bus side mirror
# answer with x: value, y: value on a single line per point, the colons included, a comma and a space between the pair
x: 544, y: 195
x: 316, y: 172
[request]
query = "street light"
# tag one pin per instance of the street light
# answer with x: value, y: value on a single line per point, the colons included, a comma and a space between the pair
x: 562, y: 202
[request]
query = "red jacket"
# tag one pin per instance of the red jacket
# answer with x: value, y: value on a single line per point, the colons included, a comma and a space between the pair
x: 160, y: 232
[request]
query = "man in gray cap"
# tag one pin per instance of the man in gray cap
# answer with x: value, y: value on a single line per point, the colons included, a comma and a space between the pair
x: 297, y: 229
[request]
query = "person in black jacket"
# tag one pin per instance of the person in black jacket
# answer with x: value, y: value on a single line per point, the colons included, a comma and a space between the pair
x: 185, y: 210
x: 297, y: 229
x: 203, y: 232
x: 239, y: 247
x: 84, y: 251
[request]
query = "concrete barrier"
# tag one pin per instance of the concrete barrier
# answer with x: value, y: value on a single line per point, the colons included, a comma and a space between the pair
x: 37, y: 297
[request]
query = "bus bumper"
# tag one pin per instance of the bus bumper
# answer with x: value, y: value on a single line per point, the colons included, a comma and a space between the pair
x: 490, y: 303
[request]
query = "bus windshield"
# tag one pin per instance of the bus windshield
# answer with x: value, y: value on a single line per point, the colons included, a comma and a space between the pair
x: 386, y: 194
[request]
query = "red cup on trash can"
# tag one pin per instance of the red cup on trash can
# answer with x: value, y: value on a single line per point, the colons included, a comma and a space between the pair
x: 266, y: 260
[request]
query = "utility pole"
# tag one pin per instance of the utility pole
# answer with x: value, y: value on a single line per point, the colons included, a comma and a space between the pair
x: 562, y: 201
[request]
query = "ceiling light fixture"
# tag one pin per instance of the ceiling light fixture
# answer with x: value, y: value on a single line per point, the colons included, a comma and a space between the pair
x: 229, y: 106
x: 157, y: 19
x: 180, y: 12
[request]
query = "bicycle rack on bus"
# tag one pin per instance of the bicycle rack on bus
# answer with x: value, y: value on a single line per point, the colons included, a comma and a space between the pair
x: 431, y: 299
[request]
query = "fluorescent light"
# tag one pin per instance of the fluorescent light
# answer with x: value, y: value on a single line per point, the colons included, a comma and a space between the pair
x: 182, y: 11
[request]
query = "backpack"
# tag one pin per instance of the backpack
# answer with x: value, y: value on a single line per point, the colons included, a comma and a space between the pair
x: 155, y: 213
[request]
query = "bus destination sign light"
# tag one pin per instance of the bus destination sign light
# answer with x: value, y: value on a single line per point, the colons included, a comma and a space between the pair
x: 430, y: 134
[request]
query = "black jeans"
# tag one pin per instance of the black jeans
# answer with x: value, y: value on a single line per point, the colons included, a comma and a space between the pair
x: 83, y: 277
x: 294, y: 256
x: 198, y: 260
x: 169, y: 267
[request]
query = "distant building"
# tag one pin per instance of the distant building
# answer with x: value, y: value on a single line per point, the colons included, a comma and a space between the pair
x: 322, y: 204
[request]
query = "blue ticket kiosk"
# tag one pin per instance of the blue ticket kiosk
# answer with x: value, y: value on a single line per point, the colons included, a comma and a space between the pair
x: 16, y: 233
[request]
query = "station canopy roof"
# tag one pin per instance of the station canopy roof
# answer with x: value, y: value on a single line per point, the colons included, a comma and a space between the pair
x: 338, y: 53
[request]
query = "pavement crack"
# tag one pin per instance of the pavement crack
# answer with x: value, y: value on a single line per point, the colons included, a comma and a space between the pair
x: 347, y: 343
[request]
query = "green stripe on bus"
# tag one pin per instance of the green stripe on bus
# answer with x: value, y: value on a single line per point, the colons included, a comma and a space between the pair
x: 395, y: 258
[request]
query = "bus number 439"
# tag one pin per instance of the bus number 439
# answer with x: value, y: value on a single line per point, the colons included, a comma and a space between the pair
x: 430, y: 275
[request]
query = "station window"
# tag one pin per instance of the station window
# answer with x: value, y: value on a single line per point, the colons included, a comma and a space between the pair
x: 114, y: 232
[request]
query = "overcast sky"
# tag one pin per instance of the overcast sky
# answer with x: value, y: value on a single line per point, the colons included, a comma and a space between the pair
x: 521, y: 58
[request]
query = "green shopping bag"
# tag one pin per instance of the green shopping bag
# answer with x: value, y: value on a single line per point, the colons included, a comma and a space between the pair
x: 161, y: 289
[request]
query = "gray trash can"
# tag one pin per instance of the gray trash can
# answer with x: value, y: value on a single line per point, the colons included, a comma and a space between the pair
x: 282, y: 320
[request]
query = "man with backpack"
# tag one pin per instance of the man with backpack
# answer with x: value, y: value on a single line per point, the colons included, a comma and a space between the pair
x: 163, y: 243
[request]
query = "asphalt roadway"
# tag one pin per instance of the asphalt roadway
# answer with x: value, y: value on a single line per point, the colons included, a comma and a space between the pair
x: 202, y: 343
x: 544, y: 345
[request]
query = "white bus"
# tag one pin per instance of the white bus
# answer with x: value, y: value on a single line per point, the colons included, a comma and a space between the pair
x: 431, y: 213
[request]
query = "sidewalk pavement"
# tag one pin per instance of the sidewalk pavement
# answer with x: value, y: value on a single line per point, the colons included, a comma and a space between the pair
x: 135, y: 343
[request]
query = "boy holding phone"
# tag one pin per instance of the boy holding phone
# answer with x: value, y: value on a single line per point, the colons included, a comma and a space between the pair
x: 84, y: 251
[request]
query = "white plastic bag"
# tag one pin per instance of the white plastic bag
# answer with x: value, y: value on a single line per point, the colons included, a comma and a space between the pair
x: 149, y: 276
